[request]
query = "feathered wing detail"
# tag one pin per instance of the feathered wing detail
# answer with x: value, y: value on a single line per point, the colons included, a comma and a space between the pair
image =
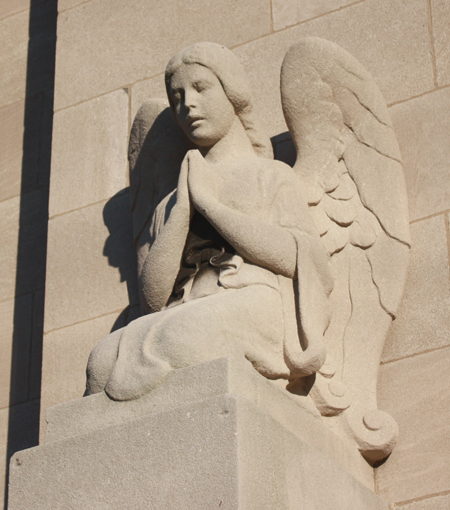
x: 349, y: 164
x: 156, y: 149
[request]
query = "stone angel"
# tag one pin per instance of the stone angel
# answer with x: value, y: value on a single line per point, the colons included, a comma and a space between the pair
x: 299, y: 270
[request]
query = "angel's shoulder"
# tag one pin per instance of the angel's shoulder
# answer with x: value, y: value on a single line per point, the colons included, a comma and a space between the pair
x: 277, y: 171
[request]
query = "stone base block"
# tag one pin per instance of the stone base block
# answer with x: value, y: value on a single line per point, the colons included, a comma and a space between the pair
x: 221, y: 451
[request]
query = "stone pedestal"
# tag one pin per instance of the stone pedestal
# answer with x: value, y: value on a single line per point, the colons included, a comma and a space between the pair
x: 217, y: 435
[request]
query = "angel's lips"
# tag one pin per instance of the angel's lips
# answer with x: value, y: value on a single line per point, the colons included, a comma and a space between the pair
x: 194, y: 121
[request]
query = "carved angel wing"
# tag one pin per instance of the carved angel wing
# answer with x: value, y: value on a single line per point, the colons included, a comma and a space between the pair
x: 349, y: 164
x: 156, y: 149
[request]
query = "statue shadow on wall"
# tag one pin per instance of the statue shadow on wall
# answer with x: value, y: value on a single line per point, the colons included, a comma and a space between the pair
x: 120, y: 252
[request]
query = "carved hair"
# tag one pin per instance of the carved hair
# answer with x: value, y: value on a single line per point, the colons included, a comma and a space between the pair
x: 224, y: 64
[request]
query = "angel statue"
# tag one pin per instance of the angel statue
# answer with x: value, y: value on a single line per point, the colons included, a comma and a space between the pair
x: 299, y: 270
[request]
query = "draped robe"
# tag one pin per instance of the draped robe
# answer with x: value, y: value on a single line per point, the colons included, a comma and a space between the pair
x: 221, y: 302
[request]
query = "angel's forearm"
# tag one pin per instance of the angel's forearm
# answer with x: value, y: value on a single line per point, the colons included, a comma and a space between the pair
x: 261, y: 243
x: 163, y: 260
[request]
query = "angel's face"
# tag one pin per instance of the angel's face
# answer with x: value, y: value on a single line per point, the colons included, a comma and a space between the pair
x: 202, y: 108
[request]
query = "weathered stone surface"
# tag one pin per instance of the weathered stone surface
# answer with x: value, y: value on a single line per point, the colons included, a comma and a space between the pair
x: 91, y: 160
x: 417, y: 393
x: 390, y: 39
x: 19, y: 169
x: 18, y: 430
x: 63, y: 5
x: 23, y: 257
x: 423, y: 321
x: 15, y: 346
x: 14, y: 44
x: 145, y: 90
x: 227, y: 454
x: 65, y: 356
x: 91, y: 261
x: 37, y: 345
x: 9, y: 7
x: 24, y: 67
x: 440, y: 11
x: 290, y: 12
x: 423, y: 129
x: 225, y: 375
x: 11, y: 144
x: 432, y: 503
x: 141, y: 37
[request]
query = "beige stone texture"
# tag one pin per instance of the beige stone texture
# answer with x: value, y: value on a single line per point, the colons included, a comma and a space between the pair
x: 423, y: 130
x: 390, y: 39
x: 15, y: 327
x: 92, y: 281
x: 31, y: 212
x: 440, y: 10
x: 227, y: 454
x: 23, y: 68
x: 16, y: 433
x: 9, y: 226
x: 89, y: 164
x: 135, y: 39
x: 10, y: 7
x: 36, y: 345
x: 11, y: 143
x: 19, y: 172
x: 416, y: 392
x: 13, y: 60
x: 65, y: 356
x: 145, y: 90
x: 423, y: 320
x: 63, y: 5
x: 431, y: 503
x: 290, y: 12
x: 225, y: 375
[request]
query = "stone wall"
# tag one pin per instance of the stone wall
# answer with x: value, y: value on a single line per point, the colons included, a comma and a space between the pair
x: 111, y: 55
x: 27, y: 56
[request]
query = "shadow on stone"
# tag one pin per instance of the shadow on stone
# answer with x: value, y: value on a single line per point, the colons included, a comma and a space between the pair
x: 120, y: 252
x: 25, y: 378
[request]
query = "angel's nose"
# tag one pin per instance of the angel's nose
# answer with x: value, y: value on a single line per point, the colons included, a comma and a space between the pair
x: 191, y: 99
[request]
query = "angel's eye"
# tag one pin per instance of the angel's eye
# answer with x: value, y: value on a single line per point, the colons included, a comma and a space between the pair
x: 200, y: 86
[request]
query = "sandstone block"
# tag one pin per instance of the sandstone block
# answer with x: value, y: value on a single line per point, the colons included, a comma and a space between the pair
x: 422, y: 126
x: 440, y: 12
x: 423, y: 320
x: 199, y: 382
x: 91, y: 160
x: 91, y: 263
x: 11, y: 144
x: 219, y: 452
x: 432, y: 503
x: 63, y: 5
x: 10, y: 7
x: 144, y: 90
x: 290, y: 12
x: 14, y: 44
x: 9, y: 226
x: 390, y: 39
x: 15, y: 340
x: 36, y: 345
x: 18, y: 430
x: 19, y: 156
x: 124, y: 28
x: 27, y: 52
x: 416, y: 392
x: 65, y: 356
x: 23, y: 257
